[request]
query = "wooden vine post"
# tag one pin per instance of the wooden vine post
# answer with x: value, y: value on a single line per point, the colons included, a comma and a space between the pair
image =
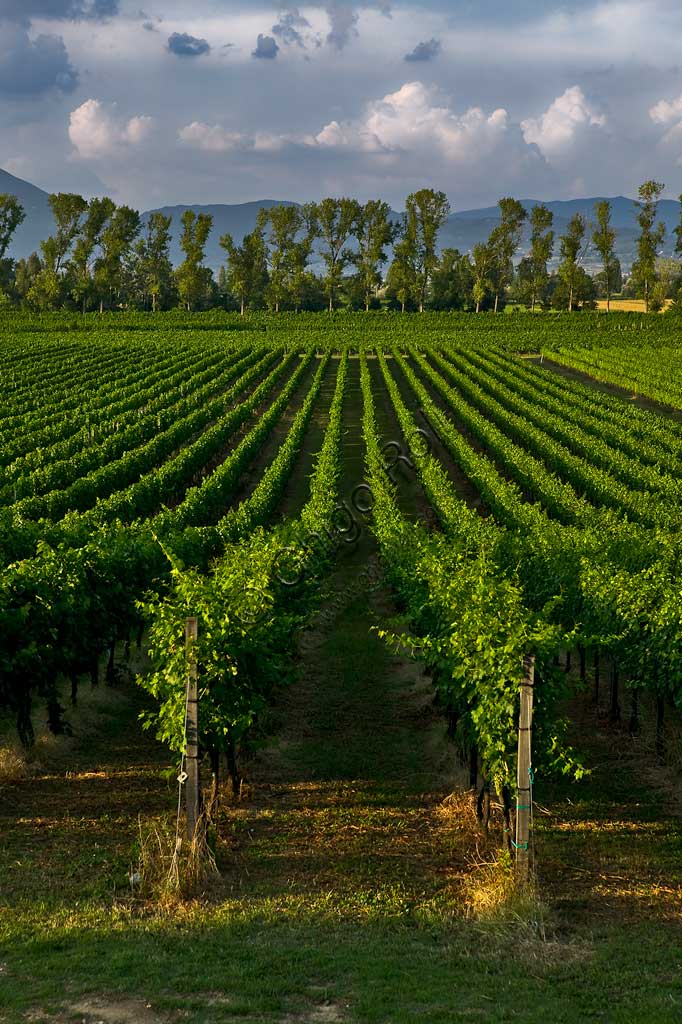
x: 523, y: 773
x: 192, y: 793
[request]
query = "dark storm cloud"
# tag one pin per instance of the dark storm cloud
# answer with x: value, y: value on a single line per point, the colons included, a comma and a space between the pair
x: 424, y: 51
x: 343, y: 22
x: 184, y: 45
x: 286, y: 29
x: 32, y: 67
x: 266, y: 48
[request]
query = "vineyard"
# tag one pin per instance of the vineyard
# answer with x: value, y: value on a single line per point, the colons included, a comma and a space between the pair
x: 514, y: 485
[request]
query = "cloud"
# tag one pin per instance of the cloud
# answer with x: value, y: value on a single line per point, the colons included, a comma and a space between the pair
x: 32, y: 67
x: 287, y: 28
x: 213, y: 138
x: 666, y: 111
x: 184, y: 45
x: 343, y: 23
x: 210, y: 138
x: 266, y: 48
x: 410, y: 120
x: 555, y: 131
x: 58, y: 10
x: 424, y: 51
x: 96, y: 132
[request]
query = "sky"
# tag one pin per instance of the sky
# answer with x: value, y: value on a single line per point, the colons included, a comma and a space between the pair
x: 158, y: 102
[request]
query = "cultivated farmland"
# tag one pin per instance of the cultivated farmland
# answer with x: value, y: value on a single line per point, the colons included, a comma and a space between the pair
x: 376, y: 520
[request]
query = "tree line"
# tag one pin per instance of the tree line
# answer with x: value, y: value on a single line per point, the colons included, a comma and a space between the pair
x: 327, y: 255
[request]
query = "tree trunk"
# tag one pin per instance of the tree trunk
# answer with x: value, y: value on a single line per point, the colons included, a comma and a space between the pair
x: 497, y: 298
x: 111, y: 664
x: 214, y: 758
x: 153, y: 302
x: 614, y: 714
x: 596, y: 677
x: 660, y: 739
x: 473, y: 767
x: 242, y: 308
x: 24, y: 724
x: 232, y: 766
x: 478, y: 306
x: 634, y: 713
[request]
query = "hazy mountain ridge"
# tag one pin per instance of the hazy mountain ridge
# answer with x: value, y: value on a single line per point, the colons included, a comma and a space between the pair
x: 465, y: 228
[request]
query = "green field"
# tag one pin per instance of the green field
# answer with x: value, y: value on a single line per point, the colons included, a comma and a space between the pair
x: 374, y: 517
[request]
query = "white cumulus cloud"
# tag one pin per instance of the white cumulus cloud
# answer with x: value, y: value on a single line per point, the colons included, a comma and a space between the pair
x: 413, y: 120
x: 211, y: 138
x: 96, y: 131
x: 556, y: 130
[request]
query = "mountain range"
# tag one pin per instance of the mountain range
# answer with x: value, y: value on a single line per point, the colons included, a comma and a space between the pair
x: 463, y: 230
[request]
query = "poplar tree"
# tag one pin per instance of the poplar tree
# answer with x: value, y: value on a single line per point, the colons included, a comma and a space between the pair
x: 11, y: 216
x: 86, y: 248
x: 571, y: 252
x: 541, y: 249
x: 336, y: 220
x: 504, y: 242
x: 426, y: 212
x: 192, y: 277
x: 152, y: 259
x: 246, y: 271
x: 374, y: 230
x: 604, y: 239
x: 286, y: 222
x: 650, y: 239
x: 481, y: 262
x: 116, y: 245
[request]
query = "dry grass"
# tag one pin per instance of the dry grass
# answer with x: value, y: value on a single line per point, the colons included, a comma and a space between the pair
x: 627, y: 305
x: 170, y: 867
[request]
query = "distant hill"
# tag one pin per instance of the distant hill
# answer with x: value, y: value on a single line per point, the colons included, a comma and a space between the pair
x: 38, y: 223
x: 464, y: 229
x: 237, y: 220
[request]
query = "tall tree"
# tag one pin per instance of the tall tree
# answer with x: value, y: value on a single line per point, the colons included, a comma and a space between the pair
x: 604, y: 239
x: 374, y: 230
x: 11, y: 216
x: 286, y: 222
x: 247, y: 269
x: 541, y: 249
x: 154, y: 269
x: 116, y: 244
x: 336, y: 220
x: 678, y: 233
x: 452, y: 281
x: 481, y: 263
x: 504, y: 242
x: 572, y: 250
x: 401, y: 280
x: 426, y: 211
x: 50, y: 284
x: 301, y: 279
x: 650, y: 239
x: 25, y: 274
x: 193, y: 279
x: 86, y: 247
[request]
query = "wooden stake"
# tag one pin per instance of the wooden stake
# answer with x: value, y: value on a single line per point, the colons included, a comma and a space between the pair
x: 192, y: 755
x: 523, y: 776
